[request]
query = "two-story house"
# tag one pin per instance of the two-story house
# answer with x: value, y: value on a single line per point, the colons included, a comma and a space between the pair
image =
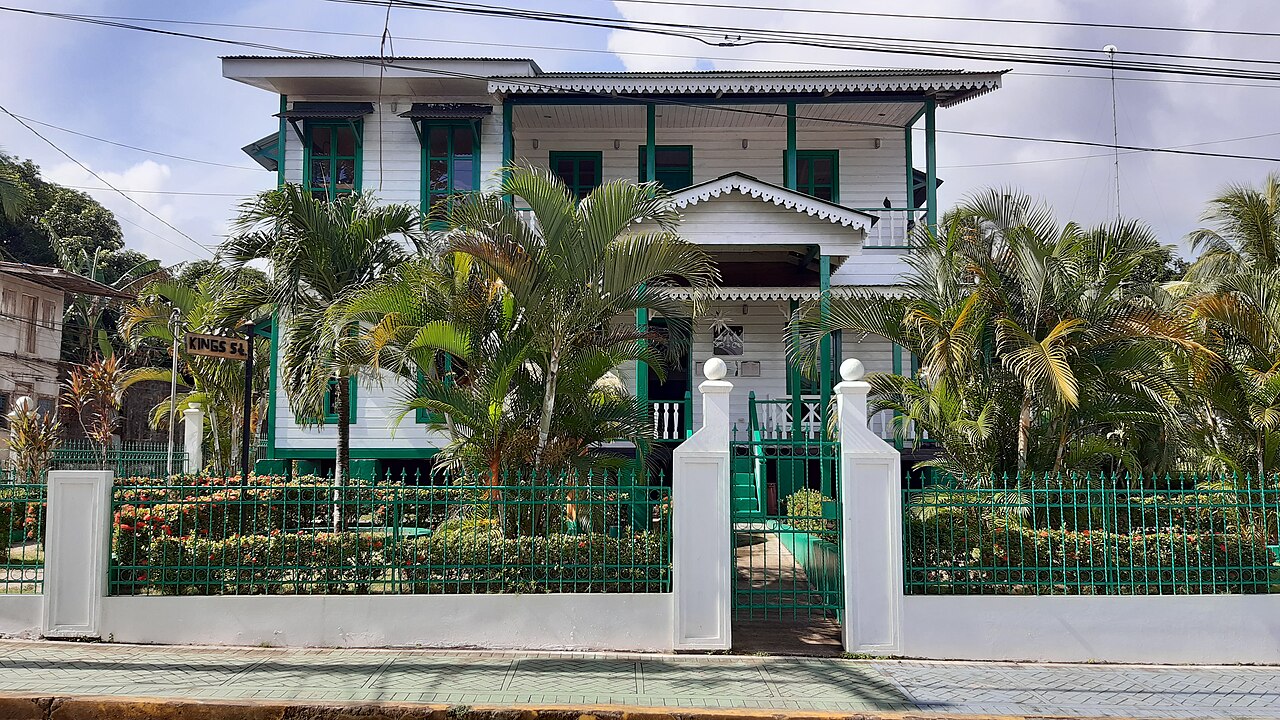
x: 32, y: 300
x: 798, y: 182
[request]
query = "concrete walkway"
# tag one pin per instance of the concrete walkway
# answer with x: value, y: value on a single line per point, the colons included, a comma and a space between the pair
x: 689, y: 681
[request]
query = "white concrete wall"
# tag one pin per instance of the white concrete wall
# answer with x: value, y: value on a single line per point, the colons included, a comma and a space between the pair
x: 21, y: 615
x: 544, y: 622
x: 1140, y: 629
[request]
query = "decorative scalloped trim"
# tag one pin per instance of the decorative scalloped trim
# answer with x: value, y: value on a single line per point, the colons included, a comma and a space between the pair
x: 772, y: 293
x: 744, y: 85
x: 784, y: 198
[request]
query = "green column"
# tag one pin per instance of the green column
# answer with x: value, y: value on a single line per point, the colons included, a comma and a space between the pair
x: 795, y: 382
x: 897, y: 370
x: 931, y: 164
x: 273, y: 385
x: 281, y: 141
x: 789, y: 161
x: 508, y: 140
x: 824, y: 362
x: 911, y: 175
x: 642, y: 369
x: 650, y: 142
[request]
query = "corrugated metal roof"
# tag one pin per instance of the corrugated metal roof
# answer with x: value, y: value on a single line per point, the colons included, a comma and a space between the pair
x: 851, y: 72
x: 60, y: 279
x: 447, y: 111
x: 340, y: 110
x: 373, y: 57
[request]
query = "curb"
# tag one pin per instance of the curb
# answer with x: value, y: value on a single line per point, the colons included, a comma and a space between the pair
x: 45, y: 707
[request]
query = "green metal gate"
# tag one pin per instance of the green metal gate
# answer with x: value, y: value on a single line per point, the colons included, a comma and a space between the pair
x: 786, y: 529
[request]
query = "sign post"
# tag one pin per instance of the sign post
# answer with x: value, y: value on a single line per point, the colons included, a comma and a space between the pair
x: 239, y: 349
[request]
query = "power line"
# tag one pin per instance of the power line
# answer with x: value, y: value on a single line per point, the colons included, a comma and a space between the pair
x: 132, y: 147
x: 901, y: 16
x: 725, y: 36
x: 632, y: 53
x: 103, y: 180
x: 159, y: 192
x: 533, y: 83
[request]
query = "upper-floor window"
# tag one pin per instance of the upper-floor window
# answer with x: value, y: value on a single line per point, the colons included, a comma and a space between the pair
x: 31, y: 321
x: 673, y: 166
x: 818, y: 173
x: 580, y: 171
x: 451, y: 156
x: 332, y: 163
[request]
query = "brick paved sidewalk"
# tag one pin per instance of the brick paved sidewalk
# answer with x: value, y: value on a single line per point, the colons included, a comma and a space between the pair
x: 483, y: 678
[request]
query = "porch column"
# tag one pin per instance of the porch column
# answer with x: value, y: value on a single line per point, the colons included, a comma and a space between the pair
x: 508, y: 140
x: 931, y: 164
x: 795, y: 383
x: 650, y: 143
x: 702, y: 549
x: 824, y: 361
x: 642, y: 369
x: 871, y: 512
x: 789, y: 160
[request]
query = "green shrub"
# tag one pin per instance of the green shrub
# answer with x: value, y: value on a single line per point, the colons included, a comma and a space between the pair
x: 320, y: 563
x: 958, y: 553
x: 804, y: 508
x: 474, y: 557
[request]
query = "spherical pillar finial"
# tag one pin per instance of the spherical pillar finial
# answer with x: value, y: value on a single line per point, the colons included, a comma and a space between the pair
x: 714, y: 369
x: 852, y: 370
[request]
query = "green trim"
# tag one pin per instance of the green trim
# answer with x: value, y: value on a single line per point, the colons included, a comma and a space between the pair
x: 824, y: 350
x: 931, y: 164
x: 643, y: 174
x: 789, y: 155
x: 450, y: 157
x: 508, y: 142
x: 282, y: 142
x: 576, y: 186
x: 911, y: 175
x: 357, y: 159
x: 897, y: 370
x: 810, y: 188
x: 273, y: 385
x: 361, y: 453
x: 354, y: 399
x: 422, y: 415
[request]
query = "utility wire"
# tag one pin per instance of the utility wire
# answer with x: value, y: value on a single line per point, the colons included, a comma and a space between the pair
x: 131, y: 147
x: 103, y: 180
x: 534, y: 84
x: 902, y: 16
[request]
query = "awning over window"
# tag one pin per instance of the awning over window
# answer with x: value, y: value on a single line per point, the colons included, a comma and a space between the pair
x: 447, y: 111
x: 263, y: 151
x: 327, y: 111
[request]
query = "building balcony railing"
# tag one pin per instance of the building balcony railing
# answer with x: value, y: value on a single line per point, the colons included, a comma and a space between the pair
x: 672, y: 419
x: 894, y: 227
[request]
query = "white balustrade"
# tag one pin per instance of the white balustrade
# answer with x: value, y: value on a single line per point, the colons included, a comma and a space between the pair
x: 668, y: 419
x: 893, y: 229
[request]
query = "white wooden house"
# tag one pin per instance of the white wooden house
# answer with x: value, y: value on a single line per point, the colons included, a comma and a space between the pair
x: 797, y: 181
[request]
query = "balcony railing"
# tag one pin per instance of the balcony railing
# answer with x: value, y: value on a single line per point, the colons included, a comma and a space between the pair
x: 893, y: 230
x: 672, y: 419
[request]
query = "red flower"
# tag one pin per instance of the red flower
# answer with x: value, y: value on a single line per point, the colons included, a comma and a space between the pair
x: 142, y: 576
x: 126, y: 528
x: 167, y: 530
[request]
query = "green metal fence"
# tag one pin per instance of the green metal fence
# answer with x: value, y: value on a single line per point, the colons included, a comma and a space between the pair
x: 22, y: 516
x: 131, y: 459
x: 529, y: 534
x: 1093, y: 535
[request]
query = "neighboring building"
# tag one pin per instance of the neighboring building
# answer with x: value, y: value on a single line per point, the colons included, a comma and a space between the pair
x: 32, y: 300
x: 796, y: 181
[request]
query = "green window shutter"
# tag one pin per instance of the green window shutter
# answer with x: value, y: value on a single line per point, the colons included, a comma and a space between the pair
x: 673, y: 166
x: 332, y: 157
x: 580, y: 171
x: 818, y: 174
x: 330, y: 414
x: 450, y: 161
x: 444, y: 367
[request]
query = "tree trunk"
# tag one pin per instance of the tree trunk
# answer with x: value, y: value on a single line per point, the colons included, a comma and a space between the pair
x: 342, y: 468
x: 548, y: 401
x: 1024, y: 432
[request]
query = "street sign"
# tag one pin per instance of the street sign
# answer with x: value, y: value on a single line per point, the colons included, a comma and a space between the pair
x: 219, y: 346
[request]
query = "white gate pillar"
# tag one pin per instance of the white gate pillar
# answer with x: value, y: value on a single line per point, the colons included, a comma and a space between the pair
x: 702, y: 555
x: 193, y: 438
x: 871, y: 498
x: 76, y: 551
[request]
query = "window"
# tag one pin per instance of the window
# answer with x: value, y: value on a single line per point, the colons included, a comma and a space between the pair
x: 332, y: 164
x: 46, y: 313
x: 580, y: 171
x: 4, y: 410
x: 31, y: 321
x: 451, y: 162
x: 330, y: 401
x: 818, y: 174
x: 444, y: 369
x: 45, y: 405
x: 673, y: 166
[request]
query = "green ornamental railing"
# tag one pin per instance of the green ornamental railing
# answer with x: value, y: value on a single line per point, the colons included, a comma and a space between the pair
x: 22, y: 515
x: 130, y: 459
x: 1089, y: 534
x: 528, y: 534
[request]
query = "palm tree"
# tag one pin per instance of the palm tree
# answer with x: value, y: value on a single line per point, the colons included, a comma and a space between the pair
x: 319, y: 253
x: 573, y: 268
x: 1245, y: 232
x: 15, y: 195
x: 216, y: 385
x: 1032, y: 336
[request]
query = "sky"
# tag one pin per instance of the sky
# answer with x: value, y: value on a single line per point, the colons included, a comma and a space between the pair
x: 167, y: 94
